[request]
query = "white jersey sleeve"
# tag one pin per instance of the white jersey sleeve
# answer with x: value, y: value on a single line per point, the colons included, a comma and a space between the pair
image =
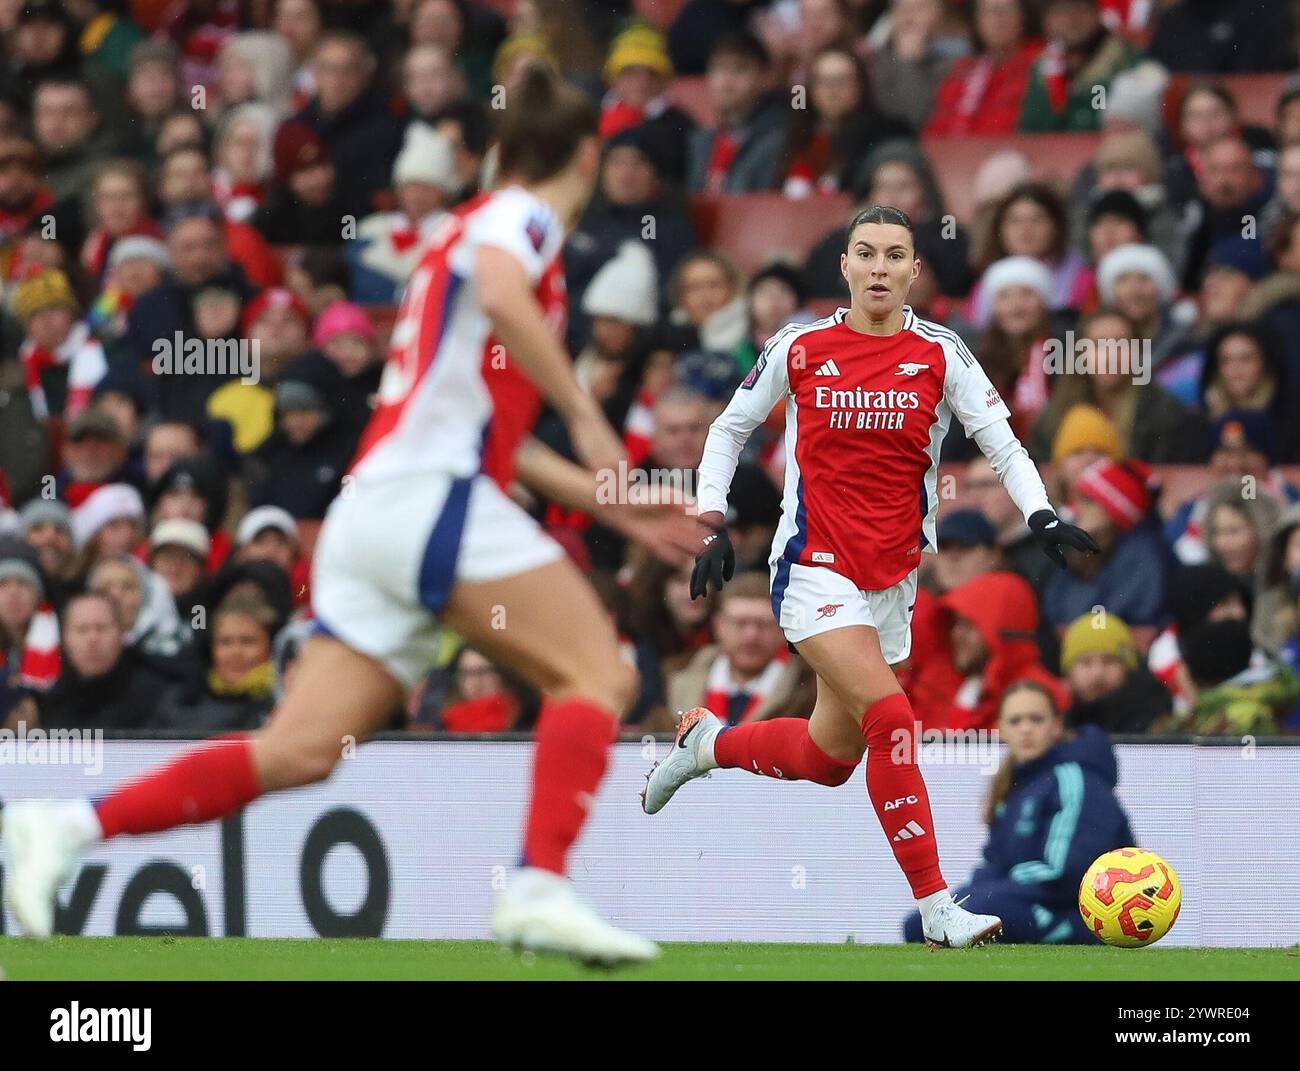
x: 1016, y: 470
x: 972, y: 398
x: 767, y: 384
x: 985, y: 416
x: 519, y: 223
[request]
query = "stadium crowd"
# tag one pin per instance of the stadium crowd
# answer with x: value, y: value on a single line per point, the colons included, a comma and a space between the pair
x: 269, y: 171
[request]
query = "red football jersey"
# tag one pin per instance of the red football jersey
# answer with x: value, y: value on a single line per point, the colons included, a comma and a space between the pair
x: 866, y: 416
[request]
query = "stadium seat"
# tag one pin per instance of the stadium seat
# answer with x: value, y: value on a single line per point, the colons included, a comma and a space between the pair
x: 1256, y: 95
x: 955, y: 161
x: 754, y: 229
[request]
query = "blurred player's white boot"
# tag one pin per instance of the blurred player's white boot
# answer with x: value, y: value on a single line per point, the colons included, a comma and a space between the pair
x: 946, y: 924
x: 691, y: 756
x: 540, y: 912
x: 43, y: 841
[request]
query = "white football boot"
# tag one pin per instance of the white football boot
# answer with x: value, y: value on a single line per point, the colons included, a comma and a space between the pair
x: 691, y: 756
x: 951, y: 926
x: 43, y: 842
x: 540, y: 912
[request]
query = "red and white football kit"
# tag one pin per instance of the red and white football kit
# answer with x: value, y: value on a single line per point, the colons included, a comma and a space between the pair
x: 866, y: 416
x: 424, y: 505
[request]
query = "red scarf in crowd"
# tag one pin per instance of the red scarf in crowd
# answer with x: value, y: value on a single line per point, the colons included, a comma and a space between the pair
x: 490, y: 714
x: 617, y: 116
x: 229, y: 194
x: 37, y: 361
x: 405, y: 236
x: 808, y: 170
x: 1052, y: 64
x: 39, y: 661
x: 726, y: 146
x: 95, y: 250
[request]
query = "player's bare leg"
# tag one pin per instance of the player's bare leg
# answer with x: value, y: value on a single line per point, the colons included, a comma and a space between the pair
x: 851, y: 662
x: 338, y: 696
x: 549, y: 626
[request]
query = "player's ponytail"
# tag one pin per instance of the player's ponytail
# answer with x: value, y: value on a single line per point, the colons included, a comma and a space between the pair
x: 544, y: 121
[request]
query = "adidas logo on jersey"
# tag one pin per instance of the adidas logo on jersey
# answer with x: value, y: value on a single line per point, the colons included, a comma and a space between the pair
x: 828, y: 369
x: 909, y: 831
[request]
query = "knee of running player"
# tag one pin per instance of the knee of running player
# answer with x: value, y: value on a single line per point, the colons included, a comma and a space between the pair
x: 888, y: 720
x: 610, y: 682
x: 285, y: 761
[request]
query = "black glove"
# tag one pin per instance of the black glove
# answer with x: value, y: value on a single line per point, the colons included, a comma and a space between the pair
x: 717, y: 561
x: 1053, y: 533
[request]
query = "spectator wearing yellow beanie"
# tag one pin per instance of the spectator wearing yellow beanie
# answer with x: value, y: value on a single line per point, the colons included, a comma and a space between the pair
x: 518, y: 52
x: 1109, y: 684
x: 50, y: 289
x: 637, y: 72
x: 61, y: 360
x: 1085, y: 435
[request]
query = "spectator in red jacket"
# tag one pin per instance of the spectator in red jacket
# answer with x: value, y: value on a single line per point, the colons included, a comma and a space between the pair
x: 982, y: 94
x: 984, y: 645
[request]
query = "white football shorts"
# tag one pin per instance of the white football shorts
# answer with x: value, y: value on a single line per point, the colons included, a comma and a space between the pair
x: 811, y: 599
x: 390, y: 551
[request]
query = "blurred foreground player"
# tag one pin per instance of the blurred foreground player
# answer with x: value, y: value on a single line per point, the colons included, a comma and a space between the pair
x: 424, y: 535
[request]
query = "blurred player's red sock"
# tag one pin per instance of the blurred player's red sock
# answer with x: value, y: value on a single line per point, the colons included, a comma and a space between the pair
x: 573, y: 738
x: 206, y: 782
x: 779, y: 747
x: 897, y: 791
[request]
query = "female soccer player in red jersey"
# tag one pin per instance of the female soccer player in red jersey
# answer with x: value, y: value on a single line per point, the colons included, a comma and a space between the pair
x: 424, y: 534
x: 869, y: 393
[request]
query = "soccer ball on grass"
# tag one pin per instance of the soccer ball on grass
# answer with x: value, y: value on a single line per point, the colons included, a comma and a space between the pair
x: 1130, y: 897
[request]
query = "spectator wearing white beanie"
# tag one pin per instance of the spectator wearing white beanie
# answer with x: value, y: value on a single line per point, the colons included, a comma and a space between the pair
x: 388, y: 245
x: 426, y: 157
x: 1010, y: 346
x: 1145, y: 259
x: 625, y: 288
x: 1141, y: 282
x: 1018, y: 271
x: 621, y: 300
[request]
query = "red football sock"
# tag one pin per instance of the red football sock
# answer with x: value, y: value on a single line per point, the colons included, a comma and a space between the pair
x: 779, y: 747
x: 206, y: 782
x: 573, y: 738
x: 897, y: 791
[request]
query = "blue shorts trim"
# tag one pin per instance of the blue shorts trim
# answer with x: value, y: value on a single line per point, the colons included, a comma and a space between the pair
x: 794, y: 549
x: 438, y: 567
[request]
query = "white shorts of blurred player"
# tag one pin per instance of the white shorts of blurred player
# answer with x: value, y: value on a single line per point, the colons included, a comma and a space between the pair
x: 390, y: 552
x: 811, y: 599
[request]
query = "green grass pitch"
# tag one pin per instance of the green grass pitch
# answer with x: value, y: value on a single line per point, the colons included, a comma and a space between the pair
x: 191, y: 958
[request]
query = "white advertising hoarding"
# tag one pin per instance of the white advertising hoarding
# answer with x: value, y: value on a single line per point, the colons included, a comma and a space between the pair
x: 412, y: 839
